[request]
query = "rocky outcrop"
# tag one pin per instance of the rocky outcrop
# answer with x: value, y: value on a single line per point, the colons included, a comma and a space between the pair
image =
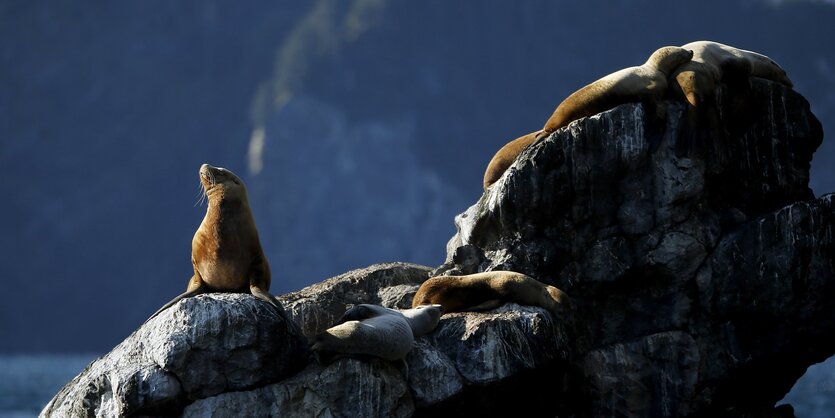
x: 466, y: 354
x: 229, y: 354
x: 316, y: 307
x: 699, y: 263
x: 693, y: 248
x: 200, y: 347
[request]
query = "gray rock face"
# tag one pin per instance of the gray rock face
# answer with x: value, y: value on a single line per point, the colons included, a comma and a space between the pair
x: 315, y: 308
x: 467, y: 355
x: 696, y: 254
x: 700, y: 266
x: 200, y: 347
x: 195, y: 360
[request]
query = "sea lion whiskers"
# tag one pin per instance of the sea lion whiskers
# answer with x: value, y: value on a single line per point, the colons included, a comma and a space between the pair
x: 201, y: 194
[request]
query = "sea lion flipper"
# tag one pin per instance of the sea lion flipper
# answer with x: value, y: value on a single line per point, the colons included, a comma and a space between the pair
x: 356, y: 313
x: 266, y: 297
x: 187, y: 294
x: 486, y: 305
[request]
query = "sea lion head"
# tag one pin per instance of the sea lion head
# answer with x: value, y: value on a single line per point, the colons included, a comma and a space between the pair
x: 221, y: 184
x: 769, y: 69
x: 423, y: 318
x: 667, y: 58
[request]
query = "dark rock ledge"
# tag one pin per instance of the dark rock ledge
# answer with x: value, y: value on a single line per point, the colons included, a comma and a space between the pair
x: 701, y: 267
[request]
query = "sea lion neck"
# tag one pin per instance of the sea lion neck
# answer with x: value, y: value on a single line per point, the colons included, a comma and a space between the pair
x: 222, y: 207
x: 668, y: 58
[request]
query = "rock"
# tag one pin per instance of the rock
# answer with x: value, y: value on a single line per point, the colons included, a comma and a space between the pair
x: 468, y: 353
x: 700, y: 266
x: 316, y: 307
x: 345, y: 388
x: 696, y: 254
x: 202, y: 346
x: 667, y: 361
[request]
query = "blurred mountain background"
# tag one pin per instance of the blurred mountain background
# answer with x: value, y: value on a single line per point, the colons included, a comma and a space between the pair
x: 360, y: 127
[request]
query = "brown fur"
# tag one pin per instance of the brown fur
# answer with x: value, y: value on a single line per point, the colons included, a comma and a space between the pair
x: 226, y: 252
x: 505, y: 157
x: 488, y: 290
x: 633, y: 84
x: 647, y: 82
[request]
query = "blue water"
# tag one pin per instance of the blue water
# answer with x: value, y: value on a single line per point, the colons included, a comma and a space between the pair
x: 28, y: 382
x: 813, y: 395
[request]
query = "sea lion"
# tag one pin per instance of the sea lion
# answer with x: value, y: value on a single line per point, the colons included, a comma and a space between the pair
x: 647, y: 82
x: 373, y: 330
x: 489, y: 290
x: 712, y: 63
x: 505, y: 157
x: 226, y: 253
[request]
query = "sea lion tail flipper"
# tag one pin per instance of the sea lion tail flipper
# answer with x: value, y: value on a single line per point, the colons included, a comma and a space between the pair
x: 186, y: 294
x: 266, y: 297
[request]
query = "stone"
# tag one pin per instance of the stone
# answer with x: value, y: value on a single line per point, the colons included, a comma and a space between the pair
x: 316, y: 307
x: 200, y: 347
x: 700, y: 266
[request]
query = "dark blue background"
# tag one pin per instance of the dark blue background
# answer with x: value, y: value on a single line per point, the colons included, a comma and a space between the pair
x: 360, y: 127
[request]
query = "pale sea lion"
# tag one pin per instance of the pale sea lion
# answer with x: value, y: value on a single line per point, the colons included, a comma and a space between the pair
x: 489, y: 290
x: 373, y: 330
x: 226, y: 253
x: 647, y: 82
x: 712, y: 63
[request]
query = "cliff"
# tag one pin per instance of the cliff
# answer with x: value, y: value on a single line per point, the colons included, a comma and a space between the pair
x: 699, y: 263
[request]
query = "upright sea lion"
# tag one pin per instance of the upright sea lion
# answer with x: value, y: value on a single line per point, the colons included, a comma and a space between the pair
x: 488, y: 290
x: 647, y: 82
x: 226, y: 253
x: 373, y: 330
x: 713, y: 63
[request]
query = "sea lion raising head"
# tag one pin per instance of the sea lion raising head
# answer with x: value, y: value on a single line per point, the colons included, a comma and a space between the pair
x: 226, y: 253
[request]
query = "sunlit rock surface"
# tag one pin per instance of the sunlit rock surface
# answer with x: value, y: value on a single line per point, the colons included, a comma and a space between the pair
x: 202, y: 346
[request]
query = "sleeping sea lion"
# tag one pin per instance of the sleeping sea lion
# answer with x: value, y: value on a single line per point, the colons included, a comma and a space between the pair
x: 373, y: 330
x: 489, y: 290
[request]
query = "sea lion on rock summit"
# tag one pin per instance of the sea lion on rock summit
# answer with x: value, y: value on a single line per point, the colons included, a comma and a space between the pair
x: 713, y: 63
x: 373, y: 330
x: 489, y: 290
x: 647, y: 82
x: 226, y: 253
